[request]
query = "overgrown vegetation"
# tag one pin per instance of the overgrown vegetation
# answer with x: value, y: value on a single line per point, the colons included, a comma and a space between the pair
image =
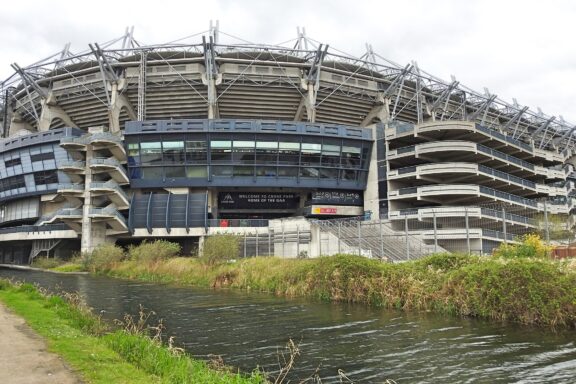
x: 220, y: 247
x: 149, y: 252
x: 531, y: 246
x: 103, y: 355
x: 519, y: 283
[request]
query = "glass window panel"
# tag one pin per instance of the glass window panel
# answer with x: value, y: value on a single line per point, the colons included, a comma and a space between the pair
x: 287, y: 171
x: 196, y: 172
x: 222, y: 170
x: 311, y: 153
x: 152, y: 173
x: 243, y: 144
x: 12, y: 162
x: 309, y: 172
x: 288, y: 153
x: 266, y: 171
x: 311, y: 147
x: 173, y: 145
x: 173, y: 152
x: 289, y: 146
x: 267, y: 144
x: 328, y: 173
x: 220, y: 155
x: 46, y: 177
x: 135, y: 172
x: 348, y: 174
x: 151, y: 153
x: 196, y: 152
x: 175, y: 172
x: 348, y: 149
x: 220, y: 144
x: 243, y: 171
x: 42, y: 156
x: 151, y: 146
x: 329, y: 149
x: 266, y: 152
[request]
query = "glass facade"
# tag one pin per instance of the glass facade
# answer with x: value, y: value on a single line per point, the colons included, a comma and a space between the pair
x: 259, y: 159
x: 30, y: 170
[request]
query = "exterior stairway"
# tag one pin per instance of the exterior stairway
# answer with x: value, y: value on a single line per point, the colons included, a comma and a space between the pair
x: 376, y: 239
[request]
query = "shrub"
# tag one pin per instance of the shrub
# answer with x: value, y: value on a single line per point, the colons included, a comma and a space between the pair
x: 46, y: 263
x: 148, y: 252
x: 445, y: 261
x: 220, y: 247
x: 103, y: 258
x: 531, y: 246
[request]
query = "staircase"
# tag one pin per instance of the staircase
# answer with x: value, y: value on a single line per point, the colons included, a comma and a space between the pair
x: 40, y: 246
x: 376, y: 239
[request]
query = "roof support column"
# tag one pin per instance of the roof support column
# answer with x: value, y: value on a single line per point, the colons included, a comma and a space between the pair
x: 51, y: 111
x: 117, y: 102
x: 211, y: 78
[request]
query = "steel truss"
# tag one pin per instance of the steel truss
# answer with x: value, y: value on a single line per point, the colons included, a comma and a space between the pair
x: 414, y: 94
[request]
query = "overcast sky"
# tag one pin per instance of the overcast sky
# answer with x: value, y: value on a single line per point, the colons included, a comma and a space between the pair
x: 517, y: 49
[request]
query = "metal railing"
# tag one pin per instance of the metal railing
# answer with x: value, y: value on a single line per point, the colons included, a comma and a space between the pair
x: 71, y: 164
x: 110, y: 185
x: 71, y: 186
x: 34, y: 228
x: 234, y: 223
x: 111, y: 212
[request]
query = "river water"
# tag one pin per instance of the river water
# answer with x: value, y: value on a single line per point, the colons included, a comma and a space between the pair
x: 370, y: 345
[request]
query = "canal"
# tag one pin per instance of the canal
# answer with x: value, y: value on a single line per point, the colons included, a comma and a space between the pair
x: 370, y: 345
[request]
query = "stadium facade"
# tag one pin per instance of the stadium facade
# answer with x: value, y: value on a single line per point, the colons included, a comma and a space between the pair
x: 126, y: 142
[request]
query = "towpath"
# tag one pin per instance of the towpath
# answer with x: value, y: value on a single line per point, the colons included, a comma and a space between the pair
x: 24, y: 358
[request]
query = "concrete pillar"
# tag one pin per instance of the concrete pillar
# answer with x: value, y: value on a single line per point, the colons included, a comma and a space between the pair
x: 93, y: 234
x: 19, y: 124
x: 51, y: 111
x: 201, y: 240
x: 117, y: 102
x: 371, y: 196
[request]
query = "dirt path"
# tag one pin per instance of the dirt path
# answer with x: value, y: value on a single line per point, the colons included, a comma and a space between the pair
x: 24, y: 358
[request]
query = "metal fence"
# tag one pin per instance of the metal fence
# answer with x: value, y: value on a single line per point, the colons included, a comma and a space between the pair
x: 406, y: 234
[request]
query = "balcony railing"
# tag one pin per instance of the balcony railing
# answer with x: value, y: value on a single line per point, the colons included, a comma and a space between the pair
x: 34, y: 228
x: 71, y: 164
x: 108, y: 212
x: 110, y: 185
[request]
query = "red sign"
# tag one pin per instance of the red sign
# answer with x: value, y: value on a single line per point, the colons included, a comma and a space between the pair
x: 328, y: 210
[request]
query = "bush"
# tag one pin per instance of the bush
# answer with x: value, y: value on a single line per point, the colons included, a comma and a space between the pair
x: 221, y: 247
x: 103, y: 258
x: 47, y: 263
x: 531, y: 246
x: 445, y: 261
x: 148, y: 252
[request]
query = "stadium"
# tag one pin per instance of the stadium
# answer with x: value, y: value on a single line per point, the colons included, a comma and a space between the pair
x: 126, y: 142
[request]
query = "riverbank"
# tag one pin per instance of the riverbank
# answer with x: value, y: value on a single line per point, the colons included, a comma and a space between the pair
x: 100, y: 354
x: 536, y: 292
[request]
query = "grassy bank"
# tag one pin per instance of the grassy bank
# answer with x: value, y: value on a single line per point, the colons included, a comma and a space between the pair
x: 102, y: 355
x: 527, y: 291
x: 519, y: 284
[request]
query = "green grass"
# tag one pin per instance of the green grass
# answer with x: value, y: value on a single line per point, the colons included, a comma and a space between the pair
x: 538, y: 292
x: 521, y: 285
x: 100, y: 356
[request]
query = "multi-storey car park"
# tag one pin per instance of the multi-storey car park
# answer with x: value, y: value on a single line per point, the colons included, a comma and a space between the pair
x: 126, y: 142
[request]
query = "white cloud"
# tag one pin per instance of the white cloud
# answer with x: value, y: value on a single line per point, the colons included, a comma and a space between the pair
x: 520, y: 49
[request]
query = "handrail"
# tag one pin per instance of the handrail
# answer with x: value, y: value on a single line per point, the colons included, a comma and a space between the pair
x: 71, y: 163
x: 35, y: 228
